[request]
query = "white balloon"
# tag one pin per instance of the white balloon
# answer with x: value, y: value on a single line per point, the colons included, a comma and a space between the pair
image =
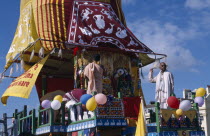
x: 185, y: 105
x: 55, y: 104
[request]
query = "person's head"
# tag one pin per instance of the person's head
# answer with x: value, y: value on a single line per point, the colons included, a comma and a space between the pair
x: 96, y: 57
x: 163, y: 66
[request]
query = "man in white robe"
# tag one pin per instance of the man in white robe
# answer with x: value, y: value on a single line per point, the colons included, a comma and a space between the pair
x: 164, y: 85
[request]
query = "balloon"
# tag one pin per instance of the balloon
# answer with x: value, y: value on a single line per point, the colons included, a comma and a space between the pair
x: 101, y: 98
x: 179, y: 112
x: 84, y: 98
x: 59, y: 98
x: 91, y: 104
x: 200, y: 92
x: 55, y: 104
x: 199, y: 100
x: 46, y: 104
x: 185, y: 105
x: 173, y: 102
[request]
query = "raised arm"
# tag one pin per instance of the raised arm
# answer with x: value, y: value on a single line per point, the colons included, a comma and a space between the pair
x: 151, y: 78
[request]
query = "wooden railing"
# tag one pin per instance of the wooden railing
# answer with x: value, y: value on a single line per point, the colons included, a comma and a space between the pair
x: 26, y: 123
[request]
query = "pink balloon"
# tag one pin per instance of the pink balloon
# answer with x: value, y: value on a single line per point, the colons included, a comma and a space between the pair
x: 46, y: 104
x: 100, y: 98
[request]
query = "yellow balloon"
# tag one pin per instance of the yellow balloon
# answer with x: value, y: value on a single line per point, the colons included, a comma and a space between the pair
x: 59, y: 98
x: 179, y: 112
x: 91, y: 104
x: 200, y: 92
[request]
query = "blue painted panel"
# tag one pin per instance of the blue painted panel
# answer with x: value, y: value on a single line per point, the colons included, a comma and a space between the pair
x: 111, y: 122
x: 151, y: 129
x: 48, y: 129
x: 80, y: 126
x: 197, y: 133
x: 152, y: 124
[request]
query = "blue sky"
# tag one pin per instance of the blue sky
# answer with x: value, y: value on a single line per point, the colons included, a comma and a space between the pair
x: 178, y: 28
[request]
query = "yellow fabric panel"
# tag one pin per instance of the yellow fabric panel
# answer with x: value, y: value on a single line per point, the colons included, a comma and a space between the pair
x: 50, y: 22
x: 64, y: 22
x: 190, y: 114
x: 25, y: 33
x: 120, y: 12
x: 141, y: 127
x: 24, y: 3
x: 166, y: 114
x: 22, y: 86
x: 145, y: 59
x: 183, y: 133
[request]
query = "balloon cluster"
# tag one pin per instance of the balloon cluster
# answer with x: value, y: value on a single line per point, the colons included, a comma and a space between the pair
x: 185, y: 105
x: 91, y: 101
x: 200, y: 92
x: 55, y: 104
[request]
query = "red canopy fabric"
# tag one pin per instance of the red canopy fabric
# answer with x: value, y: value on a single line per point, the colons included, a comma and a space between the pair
x: 95, y: 22
x: 52, y: 20
x: 53, y: 84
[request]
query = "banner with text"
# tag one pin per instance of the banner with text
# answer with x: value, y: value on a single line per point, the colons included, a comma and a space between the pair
x: 22, y: 86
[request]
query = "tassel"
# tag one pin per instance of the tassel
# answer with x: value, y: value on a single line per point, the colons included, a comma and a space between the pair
x: 17, y: 67
x: 41, y: 52
x: 156, y: 63
x: 60, y: 53
x: 11, y: 71
x: 141, y: 73
x: 53, y: 51
x: 83, y: 50
x: 1, y: 77
x: 75, y: 51
x: 22, y: 64
x: 32, y: 55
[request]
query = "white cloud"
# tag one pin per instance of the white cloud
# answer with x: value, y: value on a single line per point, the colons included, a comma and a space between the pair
x: 194, y: 70
x: 168, y: 39
x: 197, y: 4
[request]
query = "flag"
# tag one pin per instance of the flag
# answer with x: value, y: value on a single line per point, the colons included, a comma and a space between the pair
x: 141, y: 126
x: 22, y: 86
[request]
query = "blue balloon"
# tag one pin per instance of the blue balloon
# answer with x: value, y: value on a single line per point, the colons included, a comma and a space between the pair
x: 84, y: 98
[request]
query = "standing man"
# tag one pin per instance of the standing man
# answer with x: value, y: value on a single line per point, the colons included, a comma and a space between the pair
x: 164, y: 85
x: 94, y: 72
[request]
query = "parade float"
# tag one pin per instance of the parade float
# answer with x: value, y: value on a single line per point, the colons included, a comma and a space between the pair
x: 54, y: 42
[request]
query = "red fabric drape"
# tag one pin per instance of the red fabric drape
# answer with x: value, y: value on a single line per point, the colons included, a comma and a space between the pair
x: 131, y: 106
x: 53, y: 84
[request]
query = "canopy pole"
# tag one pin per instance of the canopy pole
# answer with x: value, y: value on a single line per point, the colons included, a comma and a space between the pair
x: 44, y: 84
